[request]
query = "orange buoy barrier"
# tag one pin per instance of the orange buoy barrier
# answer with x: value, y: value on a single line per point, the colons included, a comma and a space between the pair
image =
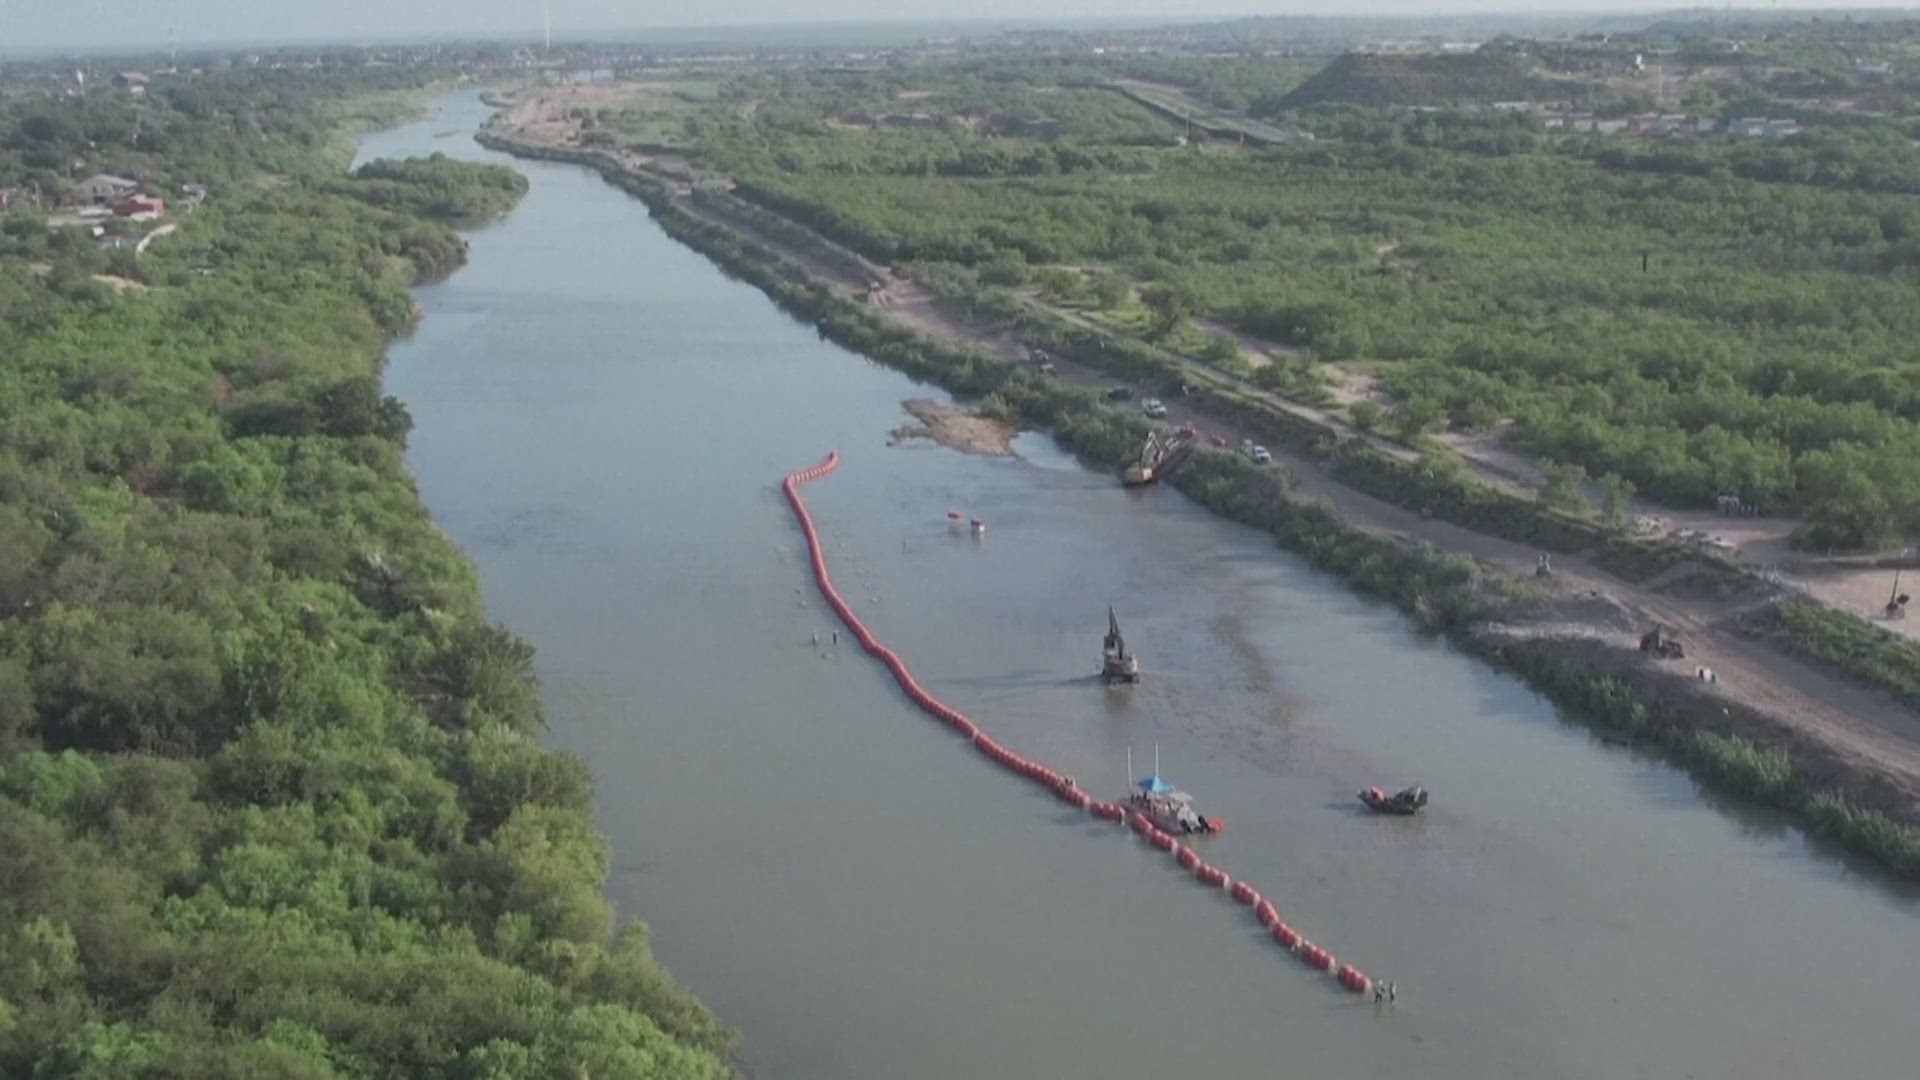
x: 1286, y: 936
x: 1353, y: 979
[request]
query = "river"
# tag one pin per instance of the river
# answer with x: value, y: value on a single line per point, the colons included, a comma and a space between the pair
x: 602, y: 419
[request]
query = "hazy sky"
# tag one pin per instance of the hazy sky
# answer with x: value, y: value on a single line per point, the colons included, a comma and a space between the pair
x: 36, y: 23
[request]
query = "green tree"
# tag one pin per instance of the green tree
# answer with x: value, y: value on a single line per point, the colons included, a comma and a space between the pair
x: 1171, y: 304
x: 1565, y: 488
x: 1616, y: 499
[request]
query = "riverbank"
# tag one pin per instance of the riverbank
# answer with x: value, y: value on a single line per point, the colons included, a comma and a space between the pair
x: 1843, y: 779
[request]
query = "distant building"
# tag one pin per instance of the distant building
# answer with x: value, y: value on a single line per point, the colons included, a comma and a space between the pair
x: 141, y: 208
x: 133, y: 82
x: 1759, y: 127
x: 104, y: 190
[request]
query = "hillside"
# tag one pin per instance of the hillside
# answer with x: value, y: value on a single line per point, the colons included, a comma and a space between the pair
x: 1389, y: 80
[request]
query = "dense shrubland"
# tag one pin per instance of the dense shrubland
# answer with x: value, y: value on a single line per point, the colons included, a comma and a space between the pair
x: 438, y: 188
x: 272, y: 800
x: 1696, y: 318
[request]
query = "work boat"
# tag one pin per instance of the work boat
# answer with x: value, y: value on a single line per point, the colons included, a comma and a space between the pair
x: 1170, y: 809
x: 1116, y: 663
x: 1407, y: 802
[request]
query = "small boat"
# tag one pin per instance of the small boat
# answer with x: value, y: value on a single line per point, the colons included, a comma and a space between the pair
x: 1170, y: 809
x: 1406, y: 802
x: 1116, y: 663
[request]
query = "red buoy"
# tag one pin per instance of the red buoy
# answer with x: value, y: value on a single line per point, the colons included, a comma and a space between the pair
x: 1354, y: 979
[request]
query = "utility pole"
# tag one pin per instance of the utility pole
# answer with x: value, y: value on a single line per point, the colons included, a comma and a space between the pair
x: 546, y: 25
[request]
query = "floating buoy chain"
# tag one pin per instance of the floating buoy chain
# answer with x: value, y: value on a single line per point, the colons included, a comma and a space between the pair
x: 1063, y: 787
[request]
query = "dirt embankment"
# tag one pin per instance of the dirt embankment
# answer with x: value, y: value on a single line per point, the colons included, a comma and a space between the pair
x: 1592, y: 612
x: 954, y: 427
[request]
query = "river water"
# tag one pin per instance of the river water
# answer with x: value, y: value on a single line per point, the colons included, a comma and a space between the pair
x: 602, y: 419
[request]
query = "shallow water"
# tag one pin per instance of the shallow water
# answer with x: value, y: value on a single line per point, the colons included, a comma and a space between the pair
x: 602, y: 420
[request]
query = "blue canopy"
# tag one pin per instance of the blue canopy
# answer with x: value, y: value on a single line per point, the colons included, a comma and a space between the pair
x: 1153, y: 785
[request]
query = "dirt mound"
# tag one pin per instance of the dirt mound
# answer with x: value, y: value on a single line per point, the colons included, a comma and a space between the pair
x: 1431, y: 79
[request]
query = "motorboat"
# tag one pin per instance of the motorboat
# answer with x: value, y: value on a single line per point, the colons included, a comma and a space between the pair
x: 1405, y: 802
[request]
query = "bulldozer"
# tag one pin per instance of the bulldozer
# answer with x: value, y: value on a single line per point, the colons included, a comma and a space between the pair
x: 1163, y: 454
x: 1661, y: 644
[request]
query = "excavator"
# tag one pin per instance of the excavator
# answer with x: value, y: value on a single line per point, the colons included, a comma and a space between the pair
x: 1116, y: 663
x: 1163, y: 454
x: 1659, y: 642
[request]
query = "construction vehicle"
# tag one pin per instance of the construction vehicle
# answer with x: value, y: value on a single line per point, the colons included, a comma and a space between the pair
x: 1657, y: 642
x: 1116, y: 663
x: 1164, y: 453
